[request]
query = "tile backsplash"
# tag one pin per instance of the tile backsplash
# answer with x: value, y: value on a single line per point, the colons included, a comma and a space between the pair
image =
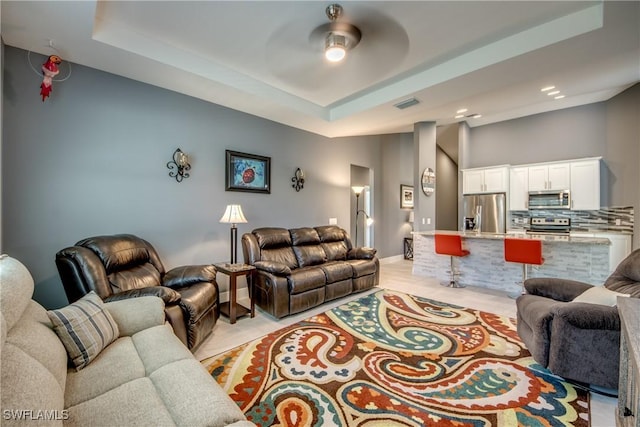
x: 618, y: 219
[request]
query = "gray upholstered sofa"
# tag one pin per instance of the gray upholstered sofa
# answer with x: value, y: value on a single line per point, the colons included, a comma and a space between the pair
x: 302, y: 268
x: 145, y: 377
x: 573, y: 338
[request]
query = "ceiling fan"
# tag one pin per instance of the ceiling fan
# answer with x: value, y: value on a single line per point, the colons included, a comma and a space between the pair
x: 339, y: 37
x: 296, y: 53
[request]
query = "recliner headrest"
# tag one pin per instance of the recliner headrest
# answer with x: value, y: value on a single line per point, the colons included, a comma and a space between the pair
x: 118, y: 252
x: 271, y: 237
x: 330, y: 233
x: 304, y: 236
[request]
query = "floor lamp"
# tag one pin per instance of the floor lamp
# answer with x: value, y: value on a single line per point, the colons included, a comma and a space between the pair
x: 233, y: 215
x: 358, y: 190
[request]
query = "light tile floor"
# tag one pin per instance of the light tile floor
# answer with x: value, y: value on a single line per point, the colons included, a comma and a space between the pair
x: 396, y: 276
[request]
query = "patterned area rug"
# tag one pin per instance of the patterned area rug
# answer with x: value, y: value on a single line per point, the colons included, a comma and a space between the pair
x: 392, y: 359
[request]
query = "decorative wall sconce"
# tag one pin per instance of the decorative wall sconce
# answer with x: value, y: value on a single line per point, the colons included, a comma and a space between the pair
x: 298, y: 180
x: 179, y: 166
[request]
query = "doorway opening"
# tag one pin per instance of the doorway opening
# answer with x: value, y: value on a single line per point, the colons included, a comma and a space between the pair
x: 362, y: 227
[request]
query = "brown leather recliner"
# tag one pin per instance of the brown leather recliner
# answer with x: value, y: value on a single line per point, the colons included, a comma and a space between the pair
x: 125, y: 266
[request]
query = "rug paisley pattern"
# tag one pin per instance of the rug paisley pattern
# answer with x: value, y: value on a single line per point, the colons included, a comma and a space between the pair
x: 392, y: 359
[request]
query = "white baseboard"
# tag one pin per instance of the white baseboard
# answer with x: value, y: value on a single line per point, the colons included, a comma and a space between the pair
x: 390, y: 259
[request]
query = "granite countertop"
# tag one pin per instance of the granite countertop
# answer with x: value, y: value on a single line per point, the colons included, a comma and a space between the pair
x: 501, y: 236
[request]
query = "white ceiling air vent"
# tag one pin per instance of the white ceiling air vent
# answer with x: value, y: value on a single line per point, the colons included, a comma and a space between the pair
x: 406, y: 103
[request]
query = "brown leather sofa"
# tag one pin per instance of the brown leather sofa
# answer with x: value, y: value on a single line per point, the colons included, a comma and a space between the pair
x: 302, y: 268
x: 125, y: 266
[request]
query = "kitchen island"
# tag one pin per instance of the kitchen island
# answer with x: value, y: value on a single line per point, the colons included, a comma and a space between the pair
x: 572, y: 257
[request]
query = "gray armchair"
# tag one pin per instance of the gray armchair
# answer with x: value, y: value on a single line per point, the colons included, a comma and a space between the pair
x: 576, y: 340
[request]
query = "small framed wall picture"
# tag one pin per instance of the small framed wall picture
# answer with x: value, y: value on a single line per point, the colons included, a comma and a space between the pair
x: 406, y: 196
x: 247, y: 172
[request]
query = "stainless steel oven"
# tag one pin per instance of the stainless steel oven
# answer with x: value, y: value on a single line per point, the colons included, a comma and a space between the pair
x: 559, y: 199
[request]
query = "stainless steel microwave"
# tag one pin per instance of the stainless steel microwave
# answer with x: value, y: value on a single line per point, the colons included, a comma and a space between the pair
x: 557, y: 199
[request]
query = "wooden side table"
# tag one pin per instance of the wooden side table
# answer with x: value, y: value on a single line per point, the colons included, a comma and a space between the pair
x: 232, y: 309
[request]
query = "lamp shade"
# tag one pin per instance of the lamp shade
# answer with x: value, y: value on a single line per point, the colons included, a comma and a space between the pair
x: 233, y: 215
x: 357, y: 189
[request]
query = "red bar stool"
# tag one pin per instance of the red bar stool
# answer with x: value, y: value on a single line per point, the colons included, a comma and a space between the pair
x: 450, y: 244
x: 525, y: 252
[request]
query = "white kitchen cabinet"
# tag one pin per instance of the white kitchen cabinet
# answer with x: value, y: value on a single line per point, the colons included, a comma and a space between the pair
x: 485, y: 180
x: 518, y: 189
x: 550, y: 176
x: 585, y: 185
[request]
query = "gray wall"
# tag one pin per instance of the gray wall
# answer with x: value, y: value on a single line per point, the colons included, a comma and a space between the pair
x: 397, y: 155
x: 446, y: 192
x: 560, y: 135
x: 91, y: 160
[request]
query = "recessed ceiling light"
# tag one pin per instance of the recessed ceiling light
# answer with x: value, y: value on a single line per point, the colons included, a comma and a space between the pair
x: 476, y: 116
x: 559, y: 97
x: 462, y: 110
x: 548, y: 88
x: 555, y: 92
x: 458, y: 116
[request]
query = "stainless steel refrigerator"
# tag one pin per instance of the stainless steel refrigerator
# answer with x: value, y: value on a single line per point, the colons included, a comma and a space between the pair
x: 486, y: 213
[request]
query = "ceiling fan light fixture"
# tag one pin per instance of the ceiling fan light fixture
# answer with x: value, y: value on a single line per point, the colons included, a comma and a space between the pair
x: 335, y: 48
x: 338, y: 37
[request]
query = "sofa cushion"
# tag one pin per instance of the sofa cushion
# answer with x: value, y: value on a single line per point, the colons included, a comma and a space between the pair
x: 331, y: 233
x: 309, y: 255
x: 132, y: 403
x: 127, y: 359
x: 335, y: 251
x: 116, y: 365
x: 305, y: 279
x: 136, y: 277
x: 362, y: 267
x: 198, y: 401
x: 599, y: 295
x: 304, y: 236
x: 270, y: 237
x: 85, y: 328
x: 337, y: 271
x: 283, y: 256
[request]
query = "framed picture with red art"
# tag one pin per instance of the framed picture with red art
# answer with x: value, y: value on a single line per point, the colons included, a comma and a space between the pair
x: 247, y: 172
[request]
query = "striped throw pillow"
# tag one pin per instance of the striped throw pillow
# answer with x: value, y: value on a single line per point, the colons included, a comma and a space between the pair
x: 85, y: 328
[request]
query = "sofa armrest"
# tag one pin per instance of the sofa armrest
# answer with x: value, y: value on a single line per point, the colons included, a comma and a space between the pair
x: 362, y: 253
x: 188, y: 275
x: 136, y: 314
x: 273, y: 267
x: 588, y: 316
x: 168, y: 295
x: 557, y: 289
